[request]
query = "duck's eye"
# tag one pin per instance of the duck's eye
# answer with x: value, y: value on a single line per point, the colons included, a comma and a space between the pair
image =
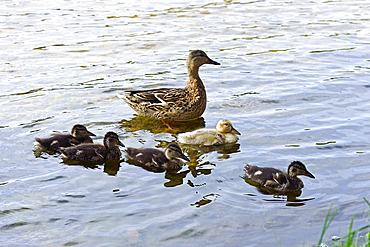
x: 294, y: 170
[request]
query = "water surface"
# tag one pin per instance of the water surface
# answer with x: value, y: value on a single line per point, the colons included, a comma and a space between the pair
x: 293, y: 80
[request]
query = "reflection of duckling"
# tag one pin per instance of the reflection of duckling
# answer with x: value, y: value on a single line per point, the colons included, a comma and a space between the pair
x: 174, y: 103
x: 95, y: 152
x: 169, y: 159
x: 278, y: 180
x: 223, y: 134
x: 79, y: 134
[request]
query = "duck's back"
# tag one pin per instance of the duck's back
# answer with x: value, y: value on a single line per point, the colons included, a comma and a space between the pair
x: 206, y: 137
x: 85, y: 152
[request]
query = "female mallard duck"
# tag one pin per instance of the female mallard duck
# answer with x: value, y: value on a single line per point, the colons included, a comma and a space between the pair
x: 169, y: 159
x: 95, y: 152
x: 79, y: 134
x: 174, y: 103
x: 223, y: 134
x: 278, y: 180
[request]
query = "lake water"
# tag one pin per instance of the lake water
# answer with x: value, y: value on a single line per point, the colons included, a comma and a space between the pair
x: 293, y: 79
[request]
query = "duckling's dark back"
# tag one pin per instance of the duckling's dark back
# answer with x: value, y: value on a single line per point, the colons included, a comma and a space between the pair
x: 147, y: 156
x: 85, y: 152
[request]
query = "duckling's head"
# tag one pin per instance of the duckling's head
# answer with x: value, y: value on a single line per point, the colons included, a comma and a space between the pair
x: 173, y: 151
x: 197, y: 58
x: 225, y: 126
x: 111, y: 139
x: 298, y: 168
x: 80, y: 131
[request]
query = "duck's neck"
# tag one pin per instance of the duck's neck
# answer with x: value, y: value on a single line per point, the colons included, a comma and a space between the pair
x: 194, y: 80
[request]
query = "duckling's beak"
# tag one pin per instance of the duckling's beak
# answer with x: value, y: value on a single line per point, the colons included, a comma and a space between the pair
x: 184, y: 157
x: 90, y: 133
x: 309, y: 174
x: 234, y: 131
x: 120, y: 143
x: 210, y: 61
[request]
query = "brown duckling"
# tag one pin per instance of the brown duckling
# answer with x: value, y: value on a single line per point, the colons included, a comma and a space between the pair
x: 278, y: 180
x: 223, y: 134
x: 173, y: 103
x: 170, y: 158
x: 79, y: 134
x: 95, y: 152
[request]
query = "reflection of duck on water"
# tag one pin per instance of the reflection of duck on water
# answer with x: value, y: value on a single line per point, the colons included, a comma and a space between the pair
x: 156, y: 126
x: 273, y: 181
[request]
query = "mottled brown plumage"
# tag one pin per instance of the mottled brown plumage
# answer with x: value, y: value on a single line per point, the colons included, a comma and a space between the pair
x: 278, y: 180
x: 174, y: 103
x: 95, y: 152
x: 151, y: 157
x: 79, y: 134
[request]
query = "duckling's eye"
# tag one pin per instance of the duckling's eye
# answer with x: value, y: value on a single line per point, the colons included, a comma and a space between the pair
x: 294, y: 170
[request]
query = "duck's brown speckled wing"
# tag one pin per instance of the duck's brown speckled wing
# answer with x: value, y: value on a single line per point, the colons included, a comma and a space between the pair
x: 155, y: 96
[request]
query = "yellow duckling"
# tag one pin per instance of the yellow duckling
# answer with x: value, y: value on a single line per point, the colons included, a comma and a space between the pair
x: 151, y: 157
x: 79, y: 134
x: 174, y: 103
x: 95, y: 152
x: 223, y: 134
x: 278, y: 180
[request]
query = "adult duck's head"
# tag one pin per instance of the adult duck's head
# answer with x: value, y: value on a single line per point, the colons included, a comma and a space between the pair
x: 111, y: 140
x: 80, y: 131
x: 298, y: 168
x: 225, y: 126
x: 173, y: 151
x: 197, y: 58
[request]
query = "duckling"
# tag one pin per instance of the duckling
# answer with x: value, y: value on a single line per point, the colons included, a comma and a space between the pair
x: 95, y: 152
x: 223, y: 134
x: 79, y: 134
x: 278, y: 180
x: 169, y: 159
x: 173, y: 103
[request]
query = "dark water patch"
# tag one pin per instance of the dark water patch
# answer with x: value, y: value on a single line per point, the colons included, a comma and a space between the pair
x: 61, y: 201
x: 242, y: 94
x: 41, y: 48
x: 10, y: 211
x: 205, y: 200
x: 325, y: 143
x: 75, y: 196
x: 23, y: 93
x: 188, y: 234
x: 14, y: 225
x: 270, y: 101
x: 341, y: 147
x: 53, y: 179
x: 292, y: 145
x: 70, y: 221
x: 71, y: 243
x: 123, y: 195
x: 79, y: 51
x: 333, y: 50
x: 54, y: 219
x: 35, y: 122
